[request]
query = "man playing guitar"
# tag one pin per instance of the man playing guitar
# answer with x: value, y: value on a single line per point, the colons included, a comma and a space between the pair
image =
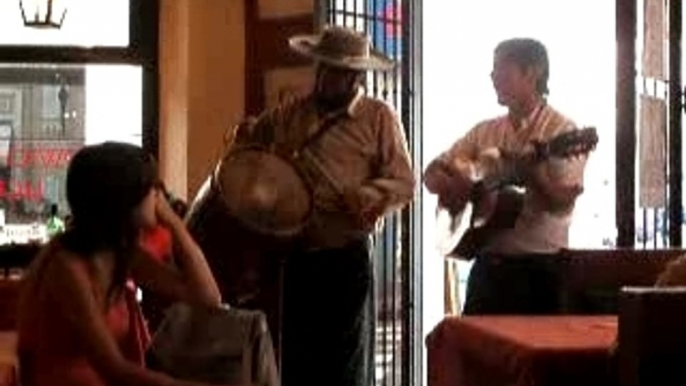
x: 512, y: 272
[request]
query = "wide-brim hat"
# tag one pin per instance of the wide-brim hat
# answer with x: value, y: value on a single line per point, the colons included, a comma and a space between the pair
x: 341, y: 47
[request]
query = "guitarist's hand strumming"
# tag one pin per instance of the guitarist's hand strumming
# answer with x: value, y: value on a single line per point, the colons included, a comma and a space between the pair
x: 452, y: 183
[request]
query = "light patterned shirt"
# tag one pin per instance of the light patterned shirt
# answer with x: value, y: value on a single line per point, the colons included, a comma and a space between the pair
x: 538, y: 229
x: 360, y: 148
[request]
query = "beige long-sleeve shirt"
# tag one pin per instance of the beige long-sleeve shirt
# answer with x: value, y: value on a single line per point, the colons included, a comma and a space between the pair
x: 538, y: 229
x: 360, y: 149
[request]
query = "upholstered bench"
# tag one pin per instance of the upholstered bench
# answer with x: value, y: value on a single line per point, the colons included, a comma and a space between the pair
x: 590, y: 280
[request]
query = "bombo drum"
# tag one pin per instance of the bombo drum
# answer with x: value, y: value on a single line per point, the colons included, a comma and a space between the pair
x: 246, y: 218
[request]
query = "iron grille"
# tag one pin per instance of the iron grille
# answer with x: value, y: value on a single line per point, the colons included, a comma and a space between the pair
x: 659, y: 222
x: 393, y: 26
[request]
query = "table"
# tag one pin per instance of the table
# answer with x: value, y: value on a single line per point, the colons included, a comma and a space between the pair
x: 9, y: 294
x: 522, y: 351
x: 8, y: 358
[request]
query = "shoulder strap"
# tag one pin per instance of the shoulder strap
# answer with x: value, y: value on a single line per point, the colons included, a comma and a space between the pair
x: 326, y: 126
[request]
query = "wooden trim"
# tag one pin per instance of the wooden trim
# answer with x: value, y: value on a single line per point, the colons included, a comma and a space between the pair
x: 67, y: 54
x: 675, y: 124
x: 267, y: 48
x: 252, y: 72
x: 72, y: 75
x: 272, y: 50
x: 625, y: 172
x: 145, y: 38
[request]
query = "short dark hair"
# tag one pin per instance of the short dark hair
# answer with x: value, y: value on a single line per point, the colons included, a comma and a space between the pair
x: 527, y: 53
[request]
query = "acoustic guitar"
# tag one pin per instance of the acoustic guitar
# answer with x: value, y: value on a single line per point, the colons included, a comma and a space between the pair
x: 495, y: 201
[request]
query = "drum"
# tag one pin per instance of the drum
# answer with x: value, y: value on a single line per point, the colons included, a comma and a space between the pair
x: 246, y: 218
x: 264, y: 191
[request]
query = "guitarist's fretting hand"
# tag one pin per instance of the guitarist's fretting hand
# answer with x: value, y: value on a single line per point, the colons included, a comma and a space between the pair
x: 548, y: 179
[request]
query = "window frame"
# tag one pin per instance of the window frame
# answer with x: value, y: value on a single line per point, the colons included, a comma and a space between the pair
x: 142, y: 50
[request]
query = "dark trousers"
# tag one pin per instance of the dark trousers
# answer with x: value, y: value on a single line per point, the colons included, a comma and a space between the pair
x: 522, y: 284
x: 326, y: 319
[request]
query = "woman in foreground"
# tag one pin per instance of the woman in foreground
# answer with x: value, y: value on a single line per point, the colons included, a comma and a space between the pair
x: 79, y: 323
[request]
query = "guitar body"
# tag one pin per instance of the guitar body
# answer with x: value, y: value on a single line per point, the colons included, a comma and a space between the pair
x: 493, y: 214
x: 496, y: 204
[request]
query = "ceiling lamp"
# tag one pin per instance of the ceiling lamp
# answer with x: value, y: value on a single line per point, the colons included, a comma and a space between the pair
x: 43, y: 13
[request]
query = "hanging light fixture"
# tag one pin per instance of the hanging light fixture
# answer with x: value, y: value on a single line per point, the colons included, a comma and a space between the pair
x: 43, y: 13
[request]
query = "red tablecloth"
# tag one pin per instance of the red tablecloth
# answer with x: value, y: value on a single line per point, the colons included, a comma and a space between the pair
x: 522, y: 351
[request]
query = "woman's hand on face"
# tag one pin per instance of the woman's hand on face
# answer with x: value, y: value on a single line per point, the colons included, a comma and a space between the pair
x: 165, y: 214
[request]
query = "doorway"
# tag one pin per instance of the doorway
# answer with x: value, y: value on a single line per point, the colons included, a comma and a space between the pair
x: 458, y: 42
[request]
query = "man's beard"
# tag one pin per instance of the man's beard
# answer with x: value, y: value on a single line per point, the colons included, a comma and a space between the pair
x: 331, y: 103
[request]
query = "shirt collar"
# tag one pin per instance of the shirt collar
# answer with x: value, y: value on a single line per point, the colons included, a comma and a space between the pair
x: 531, y: 119
x: 354, y: 106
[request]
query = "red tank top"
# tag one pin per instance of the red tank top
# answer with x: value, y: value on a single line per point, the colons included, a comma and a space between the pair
x: 47, y: 347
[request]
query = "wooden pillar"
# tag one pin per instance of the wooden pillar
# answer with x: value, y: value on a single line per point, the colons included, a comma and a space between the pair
x: 626, y: 122
x: 202, y: 81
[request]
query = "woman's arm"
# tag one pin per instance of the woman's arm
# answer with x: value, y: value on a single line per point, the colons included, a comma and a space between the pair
x: 194, y: 282
x: 68, y: 284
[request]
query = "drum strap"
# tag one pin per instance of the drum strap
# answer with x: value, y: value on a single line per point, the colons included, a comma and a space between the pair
x: 310, y: 162
x: 327, y: 124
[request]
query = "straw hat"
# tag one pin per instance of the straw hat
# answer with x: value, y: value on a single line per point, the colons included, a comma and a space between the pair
x: 341, y: 47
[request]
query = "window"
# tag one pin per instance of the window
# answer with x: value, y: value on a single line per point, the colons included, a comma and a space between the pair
x: 88, y: 23
x: 48, y: 113
x: 94, y: 80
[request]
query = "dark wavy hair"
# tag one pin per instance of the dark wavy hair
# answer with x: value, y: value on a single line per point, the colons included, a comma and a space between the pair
x: 105, y: 184
x: 527, y: 53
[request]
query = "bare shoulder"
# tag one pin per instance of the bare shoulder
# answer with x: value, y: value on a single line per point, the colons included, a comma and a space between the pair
x: 57, y: 269
x: 53, y: 276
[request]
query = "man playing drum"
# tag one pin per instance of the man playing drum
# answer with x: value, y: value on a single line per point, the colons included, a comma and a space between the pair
x: 353, y: 152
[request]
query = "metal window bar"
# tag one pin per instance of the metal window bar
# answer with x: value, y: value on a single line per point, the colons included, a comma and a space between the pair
x: 652, y: 228
x: 653, y: 223
x: 387, y: 23
x: 675, y: 162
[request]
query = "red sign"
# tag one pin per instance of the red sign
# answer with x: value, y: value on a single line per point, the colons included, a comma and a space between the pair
x: 23, y: 190
x: 53, y: 158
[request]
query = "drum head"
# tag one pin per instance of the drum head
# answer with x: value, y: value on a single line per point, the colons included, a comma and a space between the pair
x: 264, y: 191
